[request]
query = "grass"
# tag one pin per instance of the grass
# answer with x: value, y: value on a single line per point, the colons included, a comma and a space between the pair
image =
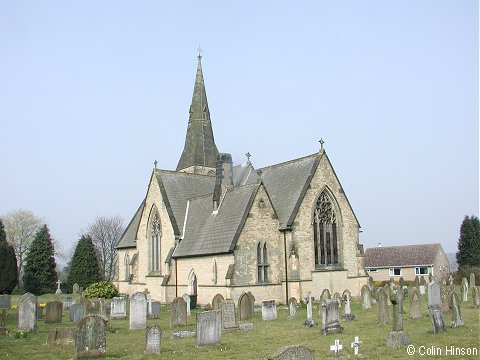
x: 263, y: 340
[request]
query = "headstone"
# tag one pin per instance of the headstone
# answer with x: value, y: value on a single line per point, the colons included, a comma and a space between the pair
x: 325, y: 295
x: 187, y: 300
x: 178, y: 312
x: 476, y: 297
x: 436, y: 315
x: 182, y: 334
x: 292, y: 352
x: 62, y: 336
x: 53, y: 312
x: 422, y: 281
x: 415, y: 306
x: 76, y: 289
x: 356, y: 344
x: 39, y: 312
x: 153, y: 340
x: 347, y: 313
x: 5, y: 301
x: 382, y: 309
x: 77, y: 312
x: 417, y: 281
x: 67, y: 302
x: 245, y: 307
x: 430, y: 277
x: 464, y: 289
x: 217, y: 299
x: 451, y: 283
x: 371, y: 284
x: 3, y: 319
x: 444, y: 298
x: 421, y: 289
x: 454, y: 303
x: 434, y: 298
x: 292, y: 308
x: 252, y: 301
x: 118, y: 308
x: 155, y: 309
x: 338, y: 297
x: 269, y: 310
x: 246, y: 326
x: 138, y: 311
x: 309, y: 322
x: 397, y: 337
x: 229, y: 320
x: 330, y: 317
x: 366, y: 298
x: 149, y: 305
x: 336, y: 347
x: 472, y: 280
x: 388, y: 290
x: 91, y: 337
x: 59, y: 291
x: 209, y: 327
x: 95, y: 306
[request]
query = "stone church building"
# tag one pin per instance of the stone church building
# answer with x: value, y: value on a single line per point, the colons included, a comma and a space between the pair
x: 209, y: 227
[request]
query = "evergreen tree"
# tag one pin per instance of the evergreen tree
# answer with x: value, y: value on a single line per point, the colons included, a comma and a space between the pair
x: 469, y: 243
x: 84, y: 266
x: 8, y: 264
x: 40, y: 274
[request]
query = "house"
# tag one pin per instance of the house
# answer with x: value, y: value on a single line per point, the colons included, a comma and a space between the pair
x: 383, y: 263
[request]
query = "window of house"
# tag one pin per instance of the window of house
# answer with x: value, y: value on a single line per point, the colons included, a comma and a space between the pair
x: 262, y: 263
x: 422, y: 270
x: 372, y: 270
x: 395, y: 271
x: 325, y: 232
x: 154, y: 245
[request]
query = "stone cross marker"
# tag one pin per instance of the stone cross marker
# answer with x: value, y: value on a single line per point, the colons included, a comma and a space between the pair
x: 269, y: 310
x: 153, y: 340
x: 118, y: 308
x: 366, y: 298
x: 330, y: 317
x: 347, y: 313
x: 309, y: 322
x: 27, y: 313
x: 91, y: 337
x: 76, y: 312
x: 187, y: 299
x: 382, y: 309
x: 209, y: 327
x: 356, y: 344
x: 53, y: 312
x: 292, y: 308
x: 292, y: 352
x: 178, y: 312
x: 138, y: 311
x: 397, y: 337
x: 228, y: 314
x: 59, y: 291
x: 336, y: 347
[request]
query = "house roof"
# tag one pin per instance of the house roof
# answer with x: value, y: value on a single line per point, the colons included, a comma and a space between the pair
x: 130, y: 234
x: 244, y: 174
x: 408, y: 255
x: 215, y: 232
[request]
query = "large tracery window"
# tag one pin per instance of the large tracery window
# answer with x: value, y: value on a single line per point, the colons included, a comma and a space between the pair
x: 154, y: 248
x: 325, y: 233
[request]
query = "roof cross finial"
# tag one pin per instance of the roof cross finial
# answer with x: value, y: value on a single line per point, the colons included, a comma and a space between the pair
x: 321, y: 143
x: 248, y: 156
x: 155, y: 164
x: 199, y: 52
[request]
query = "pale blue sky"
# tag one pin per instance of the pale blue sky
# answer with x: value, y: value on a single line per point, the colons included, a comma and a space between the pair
x: 92, y: 92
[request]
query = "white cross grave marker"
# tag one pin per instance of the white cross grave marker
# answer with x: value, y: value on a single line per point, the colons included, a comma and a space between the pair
x: 336, y: 347
x: 356, y: 344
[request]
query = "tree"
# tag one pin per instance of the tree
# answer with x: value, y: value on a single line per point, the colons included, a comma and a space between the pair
x: 40, y: 273
x: 8, y: 264
x: 469, y: 243
x: 21, y: 227
x: 84, y: 266
x: 105, y: 233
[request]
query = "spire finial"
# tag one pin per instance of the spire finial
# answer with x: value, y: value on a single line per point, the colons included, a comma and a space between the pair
x: 155, y: 164
x: 321, y: 144
x: 199, y: 52
x: 248, y: 156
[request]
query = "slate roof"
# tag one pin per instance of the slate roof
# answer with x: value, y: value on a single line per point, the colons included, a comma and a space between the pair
x: 244, y: 174
x: 408, y: 255
x: 209, y: 232
x: 130, y: 234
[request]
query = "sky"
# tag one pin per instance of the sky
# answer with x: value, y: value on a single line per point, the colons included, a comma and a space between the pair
x: 92, y: 93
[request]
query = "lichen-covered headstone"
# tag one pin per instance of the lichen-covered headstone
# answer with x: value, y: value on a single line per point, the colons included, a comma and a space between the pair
x: 91, y: 337
x: 476, y: 297
x: 371, y: 284
x: 309, y: 322
x: 338, y: 297
x: 27, y: 312
x: 454, y: 303
x: 217, y: 299
x: 77, y: 311
x: 438, y: 321
x: 397, y: 337
x: 95, y: 306
x: 292, y: 352
x: 415, y: 305
x: 330, y: 317
x: 53, y: 312
x: 155, y: 309
x: 178, y: 312
x: 153, y: 340
x: 382, y: 309
x: 366, y: 298
x: 227, y: 308
x: 138, y: 311
x: 292, y: 308
x: 208, y: 327
x: 325, y: 295
x: 269, y: 310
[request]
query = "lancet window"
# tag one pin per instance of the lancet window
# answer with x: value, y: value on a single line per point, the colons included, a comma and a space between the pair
x: 325, y: 232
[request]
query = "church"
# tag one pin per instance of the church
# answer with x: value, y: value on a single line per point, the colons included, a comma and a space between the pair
x: 210, y: 227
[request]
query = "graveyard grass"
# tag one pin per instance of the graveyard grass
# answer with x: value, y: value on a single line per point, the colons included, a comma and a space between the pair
x: 263, y: 340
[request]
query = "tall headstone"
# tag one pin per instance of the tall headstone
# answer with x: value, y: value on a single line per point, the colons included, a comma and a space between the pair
x: 187, y: 299
x: 292, y: 352
x: 91, y: 337
x: 153, y: 340
x: 454, y: 303
x: 245, y: 307
x: 330, y: 317
x: 118, y: 308
x: 27, y: 312
x: 434, y: 298
x: 444, y: 298
x: 415, y: 305
x: 5, y: 301
x: 347, y: 313
x: 95, y: 306
x: 76, y: 312
x: 229, y: 320
x: 76, y: 289
x: 269, y: 310
x: 178, y: 312
x: 252, y: 302
x: 464, y: 289
x: 338, y: 297
x: 397, y: 337
x: 292, y: 308
x: 472, y: 280
x: 325, y: 295
x: 417, y: 281
x: 438, y: 321
x: 138, y: 311
x: 371, y: 284
x: 217, y: 299
x: 476, y: 297
x: 366, y: 298
x: 309, y: 322
x: 53, y: 312
x: 382, y: 309
x: 209, y: 327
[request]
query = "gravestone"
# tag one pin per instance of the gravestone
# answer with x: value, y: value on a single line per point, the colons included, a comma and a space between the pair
x: 292, y: 352
x: 436, y: 315
x: 118, y: 308
x: 67, y: 302
x: 338, y: 297
x: 252, y: 301
x: 292, y: 308
x: 217, y: 299
x: 417, y: 281
x: 3, y: 319
x: 269, y: 310
x: 451, y: 283
x: 355, y: 345
x: 464, y: 289
x: 382, y: 309
x: 178, y: 312
x: 138, y: 311
x: 325, y: 295
x: 415, y: 306
x: 347, y: 313
x: 5, y: 301
x: 430, y: 277
x: 401, y: 282
x: 229, y: 320
x: 76, y: 289
x: 53, y: 312
x: 397, y: 337
x: 366, y: 298
x: 476, y: 297
x: 155, y: 309
x: 245, y: 307
x: 95, y: 306
x: 454, y: 303
x: 422, y: 281
x: 371, y: 284
x: 182, y: 334
x: 246, y: 326
x: 77, y: 312
x: 309, y: 322
x: 472, y: 280
x: 388, y: 290
x: 444, y: 298
x: 91, y: 339
x: 153, y: 340
x: 62, y: 336
x: 434, y: 298
x: 330, y: 317
x: 336, y: 347
x: 187, y: 300
x: 58, y: 291
x: 209, y: 327
x: 39, y: 312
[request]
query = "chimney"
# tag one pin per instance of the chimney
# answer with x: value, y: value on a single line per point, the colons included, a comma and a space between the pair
x: 379, y: 244
x: 224, y: 178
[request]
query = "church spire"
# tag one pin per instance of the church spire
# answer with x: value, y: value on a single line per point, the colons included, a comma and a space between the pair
x: 200, y: 149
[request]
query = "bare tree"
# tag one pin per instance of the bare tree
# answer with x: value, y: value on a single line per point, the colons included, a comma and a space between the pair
x: 106, y: 232
x: 21, y: 227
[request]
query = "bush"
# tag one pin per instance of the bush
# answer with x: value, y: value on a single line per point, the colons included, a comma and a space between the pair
x: 102, y: 289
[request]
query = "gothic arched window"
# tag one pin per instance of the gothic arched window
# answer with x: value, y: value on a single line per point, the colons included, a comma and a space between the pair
x: 154, y: 245
x: 325, y: 233
x: 262, y: 263
x: 126, y: 264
